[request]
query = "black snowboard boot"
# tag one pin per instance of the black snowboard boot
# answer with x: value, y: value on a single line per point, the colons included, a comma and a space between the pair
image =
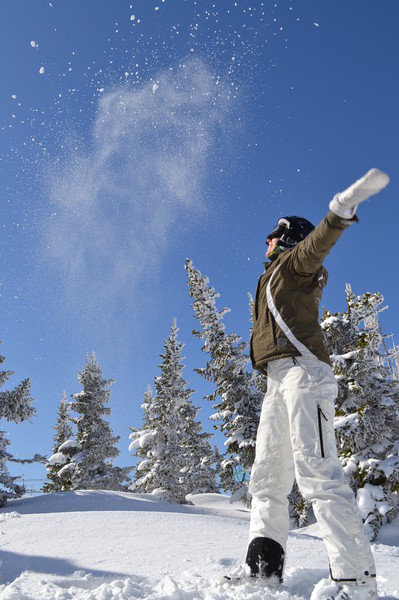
x: 265, y: 558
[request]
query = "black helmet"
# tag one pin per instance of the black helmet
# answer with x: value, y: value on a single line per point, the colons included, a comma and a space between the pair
x: 291, y: 230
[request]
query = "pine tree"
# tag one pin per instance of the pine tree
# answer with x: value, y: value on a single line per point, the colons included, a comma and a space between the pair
x: 176, y: 457
x: 15, y: 406
x: 199, y: 476
x: 238, y: 408
x: 64, y: 463
x: 144, y: 444
x: 299, y: 507
x: 63, y: 433
x: 367, y: 407
x: 91, y: 457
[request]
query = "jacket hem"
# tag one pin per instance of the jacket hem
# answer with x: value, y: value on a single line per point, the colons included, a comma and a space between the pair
x: 262, y: 364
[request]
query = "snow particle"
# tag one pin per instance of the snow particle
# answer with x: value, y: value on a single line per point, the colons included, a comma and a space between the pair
x: 33, y: 44
x: 41, y: 70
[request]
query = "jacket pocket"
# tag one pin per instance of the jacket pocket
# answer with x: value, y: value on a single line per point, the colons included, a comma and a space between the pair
x: 320, y: 417
x: 273, y: 324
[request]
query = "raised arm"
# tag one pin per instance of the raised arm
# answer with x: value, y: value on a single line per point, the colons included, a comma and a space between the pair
x: 309, y: 254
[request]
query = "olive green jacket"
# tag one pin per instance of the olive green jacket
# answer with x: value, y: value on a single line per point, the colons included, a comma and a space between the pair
x: 286, y: 307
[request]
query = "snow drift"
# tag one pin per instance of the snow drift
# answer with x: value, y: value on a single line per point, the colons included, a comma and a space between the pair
x: 114, y: 545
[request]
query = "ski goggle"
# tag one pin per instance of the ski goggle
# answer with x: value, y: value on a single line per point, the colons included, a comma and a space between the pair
x: 279, y: 229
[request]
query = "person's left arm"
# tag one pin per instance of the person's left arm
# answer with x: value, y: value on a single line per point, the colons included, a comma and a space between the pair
x: 308, y: 256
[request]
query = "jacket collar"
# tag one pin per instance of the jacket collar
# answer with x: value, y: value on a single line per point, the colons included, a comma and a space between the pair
x: 277, y: 258
x: 273, y: 261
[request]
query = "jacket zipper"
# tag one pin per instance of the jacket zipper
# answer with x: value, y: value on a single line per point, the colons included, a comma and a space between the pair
x: 319, y: 415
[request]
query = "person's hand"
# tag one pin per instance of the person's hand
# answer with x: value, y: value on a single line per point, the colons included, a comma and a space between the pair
x: 344, y: 204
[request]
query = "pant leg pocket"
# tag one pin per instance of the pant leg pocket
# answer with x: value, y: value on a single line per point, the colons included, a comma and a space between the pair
x: 320, y: 417
x: 309, y: 394
x: 325, y: 426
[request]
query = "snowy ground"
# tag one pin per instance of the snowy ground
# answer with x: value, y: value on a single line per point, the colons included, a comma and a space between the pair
x: 109, y: 545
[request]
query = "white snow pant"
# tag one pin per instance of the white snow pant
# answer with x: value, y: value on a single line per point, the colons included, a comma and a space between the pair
x: 296, y: 440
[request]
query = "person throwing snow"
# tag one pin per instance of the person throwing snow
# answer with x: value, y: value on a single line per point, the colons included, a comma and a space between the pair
x: 295, y: 438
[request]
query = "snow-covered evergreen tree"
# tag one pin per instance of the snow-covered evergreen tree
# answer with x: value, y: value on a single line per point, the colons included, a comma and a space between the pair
x: 63, y: 432
x: 144, y: 444
x: 15, y: 406
x: 175, y: 454
x: 237, y: 395
x: 64, y: 463
x: 199, y: 476
x: 367, y: 407
x: 299, y: 507
x: 8, y: 486
x: 90, y: 457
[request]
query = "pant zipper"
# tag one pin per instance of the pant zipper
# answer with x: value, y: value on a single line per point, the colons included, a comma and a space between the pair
x: 319, y: 415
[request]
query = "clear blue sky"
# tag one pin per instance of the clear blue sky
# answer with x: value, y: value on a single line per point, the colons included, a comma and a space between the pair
x: 165, y: 130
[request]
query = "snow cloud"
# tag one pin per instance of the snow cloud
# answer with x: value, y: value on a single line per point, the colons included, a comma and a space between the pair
x: 117, y: 207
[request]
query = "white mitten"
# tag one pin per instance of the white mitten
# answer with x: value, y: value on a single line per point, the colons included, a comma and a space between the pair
x: 344, y: 204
